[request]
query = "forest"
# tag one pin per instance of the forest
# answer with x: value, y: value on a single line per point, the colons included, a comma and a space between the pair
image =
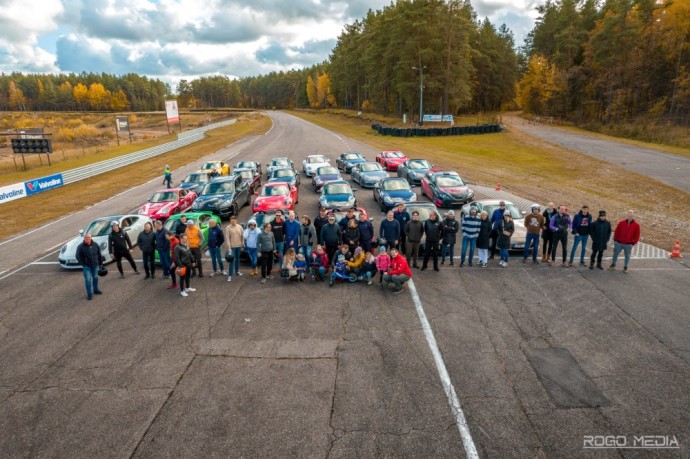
x: 585, y: 61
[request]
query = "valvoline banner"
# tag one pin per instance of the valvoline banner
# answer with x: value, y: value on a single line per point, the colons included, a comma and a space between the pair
x: 43, y: 184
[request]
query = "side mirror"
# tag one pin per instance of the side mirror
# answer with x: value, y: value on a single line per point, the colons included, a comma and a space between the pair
x: 354, y: 191
x: 81, y: 232
x: 523, y: 212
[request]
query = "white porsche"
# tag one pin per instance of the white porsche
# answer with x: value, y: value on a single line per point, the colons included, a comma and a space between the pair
x: 313, y: 162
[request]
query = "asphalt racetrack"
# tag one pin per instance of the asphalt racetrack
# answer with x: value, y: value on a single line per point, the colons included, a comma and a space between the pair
x: 528, y: 361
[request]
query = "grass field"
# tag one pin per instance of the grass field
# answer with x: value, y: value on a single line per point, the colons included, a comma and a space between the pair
x: 35, y: 210
x: 539, y: 171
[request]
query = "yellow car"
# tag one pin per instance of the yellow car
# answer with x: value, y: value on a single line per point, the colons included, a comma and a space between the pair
x: 218, y: 166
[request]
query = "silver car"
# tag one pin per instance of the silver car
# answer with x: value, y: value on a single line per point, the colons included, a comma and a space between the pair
x: 517, y: 241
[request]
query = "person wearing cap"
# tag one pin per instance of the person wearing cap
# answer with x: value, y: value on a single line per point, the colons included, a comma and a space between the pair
x: 90, y: 258
x: 414, y: 230
x: 496, y: 218
x: 251, y: 240
x: 167, y: 176
x: 546, y: 233
x: 398, y: 271
x: 559, y: 225
x: 402, y: 216
x: 581, y: 223
x: 471, y: 224
x: 450, y: 231
x: 119, y: 247
x: 195, y: 240
x: 600, y: 233
x: 626, y: 235
x: 184, y: 259
x: 146, y: 241
x: 534, y: 222
x: 319, y: 221
x: 339, y: 269
x: 383, y: 262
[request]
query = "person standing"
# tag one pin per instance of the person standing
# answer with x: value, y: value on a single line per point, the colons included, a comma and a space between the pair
x: 366, y: 233
x: 251, y: 239
x: 351, y: 236
x: 278, y: 228
x: 163, y: 248
x: 181, y: 226
x: 625, y: 237
x: 119, y: 247
x: 506, y: 228
x: 332, y: 237
x: 173, y: 241
x: 215, y: 243
x: 349, y: 215
x: 307, y: 236
x: 581, y: 223
x: 402, y: 216
x: 167, y: 176
x: 600, y: 232
x: 534, y: 222
x: 235, y: 242
x: 484, y: 238
x: 90, y: 258
x: 292, y: 232
x: 559, y: 225
x: 195, y: 241
x: 496, y: 218
x: 414, y: 230
x: 434, y: 232
x: 266, y: 246
x: 450, y: 231
x: 390, y: 230
x: 319, y: 221
x: 184, y: 261
x: 398, y: 272
x: 146, y: 241
x: 546, y: 233
x: 471, y: 224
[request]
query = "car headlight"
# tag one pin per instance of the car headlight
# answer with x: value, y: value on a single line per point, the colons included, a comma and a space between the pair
x: 351, y: 201
x: 413, y: 198
x: 164, y: 209
x: 387, y: 199
x: 227, y: 202
x: 442, y: 195
x: 470, y: 193
x: 288, y: 201
x: 256, y: 204
x: 63, y: 249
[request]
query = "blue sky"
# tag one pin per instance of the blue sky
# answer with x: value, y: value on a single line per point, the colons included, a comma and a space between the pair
x: 185, y: 39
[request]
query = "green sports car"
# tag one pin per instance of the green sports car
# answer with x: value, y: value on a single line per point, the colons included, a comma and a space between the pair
x: 200, y: 218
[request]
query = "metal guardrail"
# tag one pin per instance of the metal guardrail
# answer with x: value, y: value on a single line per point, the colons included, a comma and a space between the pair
x: 183, y: 138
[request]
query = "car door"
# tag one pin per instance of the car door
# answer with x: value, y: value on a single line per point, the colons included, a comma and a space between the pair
x: 241, y: 192
x: 377, y: 192
x: 425, y: 185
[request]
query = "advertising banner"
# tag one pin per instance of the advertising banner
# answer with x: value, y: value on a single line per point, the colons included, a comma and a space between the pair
x: 171, y: 111
x: 438, y: 118
x: 122, y: 123
x: 43, y: 184
x: 11, y: 192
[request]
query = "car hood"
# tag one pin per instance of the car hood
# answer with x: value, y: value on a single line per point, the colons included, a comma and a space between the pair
x: 328, y: 177
x: 186, y: 185
x: 337, y: 199
x: 374, y: 174
x: 398, y: 194
x: 290, y: 180
x: 71, y: 250
x: 354, y: 161
x: 155, y: 207
x: 395, y: 160
x: 212, y: 198
x: 417, y: 171
x: 317, y: 165
x: 455, y: 190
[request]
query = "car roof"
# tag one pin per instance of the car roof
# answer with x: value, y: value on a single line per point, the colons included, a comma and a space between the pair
x: 224, y: 178
x: 242, y: 169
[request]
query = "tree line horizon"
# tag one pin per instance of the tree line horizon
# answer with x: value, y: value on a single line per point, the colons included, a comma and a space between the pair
x: 584, y: 61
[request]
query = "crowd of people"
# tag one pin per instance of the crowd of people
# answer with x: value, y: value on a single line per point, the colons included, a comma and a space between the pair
x: 352, y: 250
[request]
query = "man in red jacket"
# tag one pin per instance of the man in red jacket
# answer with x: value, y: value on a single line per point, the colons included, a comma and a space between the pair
x: 398, y: 272
x: 627, y: 234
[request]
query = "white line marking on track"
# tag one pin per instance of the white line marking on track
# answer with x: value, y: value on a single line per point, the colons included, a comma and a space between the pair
x: 45, y: 263
x: 26, y: 265
x: 453, y: 400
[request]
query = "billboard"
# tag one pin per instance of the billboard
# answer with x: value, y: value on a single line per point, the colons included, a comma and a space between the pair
x: 122, y: 123
x: 171, y: 111
x: 43, y: 184
x: 11, y: 192
x: 438, y: 118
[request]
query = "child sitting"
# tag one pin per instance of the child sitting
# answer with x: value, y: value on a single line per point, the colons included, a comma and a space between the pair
x: 369, y: 269
x: 383, y: 262
x: 289, y: 270
x: 300, y: 266
x: 339, y: 269
x: 357, y: 262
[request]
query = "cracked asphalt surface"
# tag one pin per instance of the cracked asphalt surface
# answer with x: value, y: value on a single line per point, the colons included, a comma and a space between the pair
x: 244, y: 370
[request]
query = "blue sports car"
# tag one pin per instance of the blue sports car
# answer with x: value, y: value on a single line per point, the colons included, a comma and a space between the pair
x: 413, y: 170
x: 336, y: 195
x: 285, y: 175
x: 324, y: 175
x: 391, y: 191
x: 368, y: 174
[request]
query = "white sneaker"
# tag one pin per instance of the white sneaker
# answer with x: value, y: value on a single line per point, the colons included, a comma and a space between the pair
x: 213, y: 273
x: 229, y: 278
x: 190, y: 290
x: 239, y: 273
x: 224, y: 273
x: 183, y: 293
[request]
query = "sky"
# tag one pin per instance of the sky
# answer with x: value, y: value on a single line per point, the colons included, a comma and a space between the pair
x: 184, y: 39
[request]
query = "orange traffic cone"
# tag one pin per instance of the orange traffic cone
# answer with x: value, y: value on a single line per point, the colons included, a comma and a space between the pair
x: 498, y: 187
x: 676, y: 251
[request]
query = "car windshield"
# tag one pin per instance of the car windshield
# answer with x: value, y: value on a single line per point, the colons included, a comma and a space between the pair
x: 352, y: 156
x: 170, y: 224
x: 337, y: 188
x: 195, y: 178
x: 419, y: 164
x: 342, y: 214
x: 317, y: 159
x: 280, y: 190
x: 283, y: 173
x: 510, y: 207
x: 327, y: 171
x: 210, y: 165
x: 247, y: 175
x: 448, y: 181
x: 393, y: 154
x: 99, y: 228
x: 164, y: 196
x: 370, y: 167
x: 249, y: 164
x: 219, y: 188
x: 395, y: 185
x: 280, y: 162
x: 424, y: 211
x: 262, y: 218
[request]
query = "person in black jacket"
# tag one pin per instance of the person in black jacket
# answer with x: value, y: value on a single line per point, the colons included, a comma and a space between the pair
x: 147, y: 244
x: 351, y: 237
x: 390, y: 230
x: 119, y: 247
x: 184, y: 259
x: 163, y: 248
x: 402, y: 216
x: 90, y: 258
x: 331, y: 235
x: 450, y: 231
x: 600, y: 232
x: 366, y: 233
x: 319, y: 221
x: 434, y: 233
x: 181, y: 226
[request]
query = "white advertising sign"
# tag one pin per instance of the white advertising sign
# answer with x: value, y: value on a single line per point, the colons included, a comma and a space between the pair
x: 11, y: 192
x: 171, y: 111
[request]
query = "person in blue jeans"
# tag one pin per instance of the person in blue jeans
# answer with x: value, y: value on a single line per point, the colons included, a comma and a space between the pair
x: 534, y: 221
x: 450, y: 231
x: 90, y: 258
x: 581, y: 223
x: 235, y: 241
x: 471, y: 224
x: 278, y: 228
x: 215, y: 242
x: 251, y: 237
x: 163, y: 248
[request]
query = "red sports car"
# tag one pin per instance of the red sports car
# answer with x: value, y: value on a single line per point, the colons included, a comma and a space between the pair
x: 165, y: 203
x: 276, y: 195
x: 391, y: 159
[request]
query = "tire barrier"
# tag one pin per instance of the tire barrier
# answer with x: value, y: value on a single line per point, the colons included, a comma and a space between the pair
x: 435, y: 132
